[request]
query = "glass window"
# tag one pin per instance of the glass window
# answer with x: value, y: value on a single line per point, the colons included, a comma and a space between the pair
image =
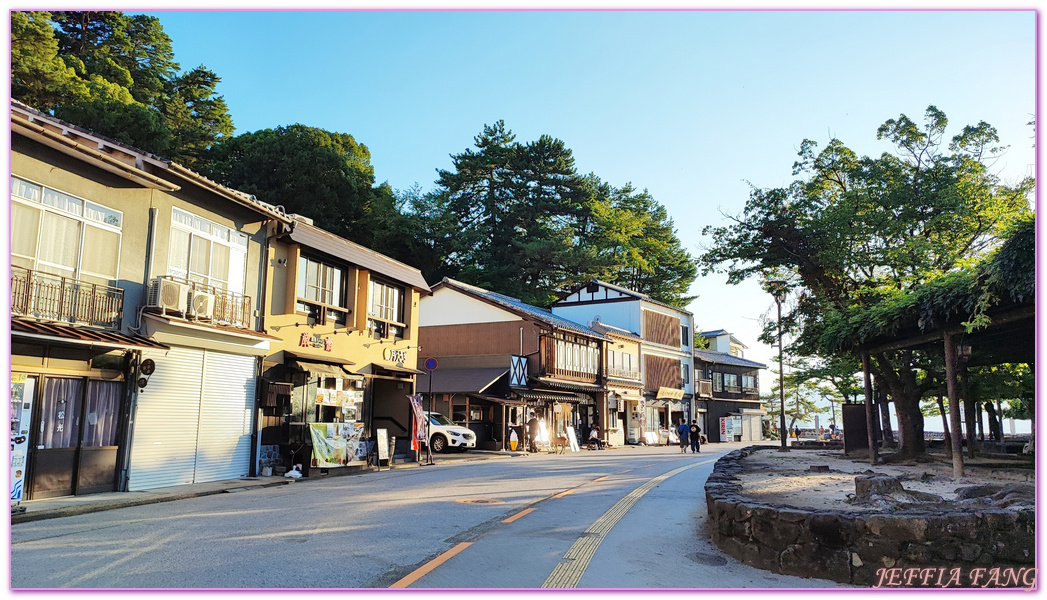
x: 24, y: 189
x: 320, y: 283
x: 207, y: 253
x: 387, y: 302
x: 63, y: 248
x: 25, y: 224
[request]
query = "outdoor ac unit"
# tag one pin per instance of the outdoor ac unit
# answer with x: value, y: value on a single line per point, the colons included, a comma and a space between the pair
x: 167, y: 295
x: 201, y: 305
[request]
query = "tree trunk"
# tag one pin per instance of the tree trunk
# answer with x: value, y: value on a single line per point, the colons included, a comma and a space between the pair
x: 905, y: 390
x: 945, y: 426
x: 885, y: 415
x: 970, y: 411
x: 978, y: 419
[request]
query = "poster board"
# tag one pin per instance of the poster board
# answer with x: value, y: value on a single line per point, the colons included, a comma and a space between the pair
x: 573, y: 439
x: 337, y: 444
x: 383, y: 444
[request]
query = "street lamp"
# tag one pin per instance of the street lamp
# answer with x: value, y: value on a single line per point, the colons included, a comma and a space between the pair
x: 777, y: 289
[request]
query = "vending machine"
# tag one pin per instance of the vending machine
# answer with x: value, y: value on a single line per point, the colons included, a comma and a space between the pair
x: 23, y: 389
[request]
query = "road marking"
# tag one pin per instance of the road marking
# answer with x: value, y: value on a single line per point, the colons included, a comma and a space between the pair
x: 564, y: 493
x: 429, y: 566
x: 522, y: 513
x: 600, y: 478
x: 569, y: 571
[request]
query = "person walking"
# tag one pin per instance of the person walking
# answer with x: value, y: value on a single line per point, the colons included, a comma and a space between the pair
x: 682, y: 430
x: 532, y: 432
x: 694, y: 432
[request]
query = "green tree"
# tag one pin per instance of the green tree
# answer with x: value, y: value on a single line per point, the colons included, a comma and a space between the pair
x: 39, y: 76
x: 857, y: 231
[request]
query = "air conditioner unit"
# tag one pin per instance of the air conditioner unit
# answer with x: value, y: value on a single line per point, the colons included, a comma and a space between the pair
x: 201, y: 305
x: 167, y: 295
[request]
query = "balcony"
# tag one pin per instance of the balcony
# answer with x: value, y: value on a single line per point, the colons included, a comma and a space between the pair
x: 226, y: 308
x: 54, y: 298
x: 622, y: 373
x: 705, y: 388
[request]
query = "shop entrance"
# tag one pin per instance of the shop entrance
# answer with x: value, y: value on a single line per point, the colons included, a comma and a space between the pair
x: 74, y: 443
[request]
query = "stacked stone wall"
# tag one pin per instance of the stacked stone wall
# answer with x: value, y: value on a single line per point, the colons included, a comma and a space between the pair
x: 943, y: 547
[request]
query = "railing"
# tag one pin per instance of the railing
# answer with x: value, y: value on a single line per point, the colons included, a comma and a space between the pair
x: 622, y: 373
x: 705, y: 388
x: 230, y: 308
x: 576, y: 375
x: 56, y: 298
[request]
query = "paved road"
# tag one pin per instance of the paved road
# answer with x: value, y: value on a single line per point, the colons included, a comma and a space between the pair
x: 626, y: 518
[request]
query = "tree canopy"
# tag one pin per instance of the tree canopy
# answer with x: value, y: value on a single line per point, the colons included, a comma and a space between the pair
x: 116, y: 75
x: 855, y: 232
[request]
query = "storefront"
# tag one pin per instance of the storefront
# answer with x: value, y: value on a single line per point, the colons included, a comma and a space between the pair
x: 70, y: 402
x: 195, y: 420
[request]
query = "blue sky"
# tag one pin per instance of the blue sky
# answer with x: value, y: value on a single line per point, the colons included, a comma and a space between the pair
x: 688, y: 104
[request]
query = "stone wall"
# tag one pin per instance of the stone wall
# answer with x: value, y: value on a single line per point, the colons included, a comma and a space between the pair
x: 949, y: 547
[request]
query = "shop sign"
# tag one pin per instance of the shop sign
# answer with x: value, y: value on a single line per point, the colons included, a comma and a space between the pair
x: 671, y: 393
x: 315, y: 341
x: 337, y: 444
x: 396, y: 356
x: 726, y: 427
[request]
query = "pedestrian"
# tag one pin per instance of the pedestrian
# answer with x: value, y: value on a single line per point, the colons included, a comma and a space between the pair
x: 682, y: 430
x: 694, y: 432
x: 594, y: 437
x: 532, y: 432
x: 796, y: 432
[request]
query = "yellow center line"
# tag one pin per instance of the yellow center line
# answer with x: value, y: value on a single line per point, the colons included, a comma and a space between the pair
x: 522, y: 513
x: 564, y: 493
x: 569, y: 571
x: 429, y: 566
x: 600, y: 478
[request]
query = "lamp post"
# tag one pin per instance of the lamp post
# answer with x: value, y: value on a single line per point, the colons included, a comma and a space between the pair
x: 777, y: 289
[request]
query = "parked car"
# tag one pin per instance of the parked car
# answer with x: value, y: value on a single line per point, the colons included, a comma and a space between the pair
x: 444, y: 434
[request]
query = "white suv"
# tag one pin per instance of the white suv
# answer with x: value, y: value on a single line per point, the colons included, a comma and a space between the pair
x: 444, y: 434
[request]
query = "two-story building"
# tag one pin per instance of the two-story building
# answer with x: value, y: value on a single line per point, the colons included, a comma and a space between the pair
x: 666, y: 358
x: 135, y: 335
x: 730, y: 389
x: 346, y: 319
x: 550, y: 365
x: 625, y: 421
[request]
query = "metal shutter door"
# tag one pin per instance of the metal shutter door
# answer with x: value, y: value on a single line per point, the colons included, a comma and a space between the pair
x: 164, y: 446
x: 226, y: 417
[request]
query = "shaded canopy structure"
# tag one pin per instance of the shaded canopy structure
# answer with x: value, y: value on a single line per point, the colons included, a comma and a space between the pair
x: 981, y: 316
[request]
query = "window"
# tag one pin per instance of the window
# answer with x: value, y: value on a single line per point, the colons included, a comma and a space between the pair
x: 685, y: 373
x: 685, y: 336
x: 576, y: 354
x: 321, y: 291
x: 385, y: 310
x: 207, y: 253
x: 717, y: 382
x: 749, y: 383
x: 82, y: 237
x: 730, y: 382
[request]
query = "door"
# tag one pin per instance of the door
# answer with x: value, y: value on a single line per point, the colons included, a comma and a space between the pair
x: 96, y: 469
x: 57, y: 438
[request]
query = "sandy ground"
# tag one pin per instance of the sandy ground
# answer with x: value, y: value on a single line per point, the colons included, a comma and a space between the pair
x: 783, y: 478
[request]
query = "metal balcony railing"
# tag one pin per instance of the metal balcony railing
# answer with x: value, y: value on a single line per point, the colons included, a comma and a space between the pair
x: 55, y: 298
x: 622, y: 373
x: 229, y: 308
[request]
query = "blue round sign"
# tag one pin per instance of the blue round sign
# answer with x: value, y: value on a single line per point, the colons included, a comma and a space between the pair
x: 430, y: 363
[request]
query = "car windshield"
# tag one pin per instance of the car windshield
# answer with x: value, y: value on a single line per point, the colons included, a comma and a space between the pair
x: 439, y: 419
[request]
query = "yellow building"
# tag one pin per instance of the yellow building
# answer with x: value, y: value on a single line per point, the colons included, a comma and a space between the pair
x: 342, y: 370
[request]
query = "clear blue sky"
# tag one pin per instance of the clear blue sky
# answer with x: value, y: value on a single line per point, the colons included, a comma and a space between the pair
x: 688, y: 104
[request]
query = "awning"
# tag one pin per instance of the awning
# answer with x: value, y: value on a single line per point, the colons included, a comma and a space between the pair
x: 52, y: 332
x: 456, y: 381
x: 506, y: 401
x: 369, y: 369
x: 545, y: 396
x: 318, y: 368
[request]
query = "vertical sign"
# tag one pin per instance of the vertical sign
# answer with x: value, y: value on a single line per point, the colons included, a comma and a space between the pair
x: 22, y: 390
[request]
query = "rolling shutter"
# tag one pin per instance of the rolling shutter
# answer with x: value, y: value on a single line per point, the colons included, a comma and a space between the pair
x: 226, y: 417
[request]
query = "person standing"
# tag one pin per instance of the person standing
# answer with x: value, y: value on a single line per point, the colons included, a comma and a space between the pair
x: 532, y: 432
x: 694, y: 432
x: 682, y: 431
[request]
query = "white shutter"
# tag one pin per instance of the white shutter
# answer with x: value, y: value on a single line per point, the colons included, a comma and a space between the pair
x: 163, y: 449
x: 226, y: 417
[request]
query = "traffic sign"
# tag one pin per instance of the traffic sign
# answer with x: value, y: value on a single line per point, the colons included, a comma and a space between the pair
x: 430, y: 363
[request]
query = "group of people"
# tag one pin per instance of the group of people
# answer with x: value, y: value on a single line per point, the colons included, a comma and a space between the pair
x: 689, y: 435
x: 532, y: 434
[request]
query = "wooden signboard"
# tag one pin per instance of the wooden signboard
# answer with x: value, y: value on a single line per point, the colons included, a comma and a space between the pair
x: 383, y: 444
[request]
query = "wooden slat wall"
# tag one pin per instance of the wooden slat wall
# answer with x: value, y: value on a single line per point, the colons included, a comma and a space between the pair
x: 661, y: 372
x: 661, y: 329
x: 478, y: 338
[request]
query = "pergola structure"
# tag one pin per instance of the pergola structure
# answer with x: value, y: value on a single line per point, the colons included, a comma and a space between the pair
x: 984, y: 316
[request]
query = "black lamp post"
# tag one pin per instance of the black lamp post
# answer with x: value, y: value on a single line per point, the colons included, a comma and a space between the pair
x: 777, y: 289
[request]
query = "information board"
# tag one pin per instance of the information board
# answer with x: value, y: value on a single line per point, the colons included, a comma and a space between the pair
x: 383, y: 444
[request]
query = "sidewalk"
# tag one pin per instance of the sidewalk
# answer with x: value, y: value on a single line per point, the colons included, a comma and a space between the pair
x: 67, y: 506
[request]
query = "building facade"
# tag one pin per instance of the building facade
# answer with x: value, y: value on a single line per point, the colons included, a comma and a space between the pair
x: 135, y: 342
x: 666, y: 360
x: 550, y: 365
x: 342, y: 366
x: 730, y: 390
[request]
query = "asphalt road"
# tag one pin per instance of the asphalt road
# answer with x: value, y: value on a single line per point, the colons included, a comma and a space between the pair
x: 624, y: 518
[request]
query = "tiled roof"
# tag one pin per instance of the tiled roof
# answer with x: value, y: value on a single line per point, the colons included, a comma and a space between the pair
x: 522, y: 308
x: 721, y: 358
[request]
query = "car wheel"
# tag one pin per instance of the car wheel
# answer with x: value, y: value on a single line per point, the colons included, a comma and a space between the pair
x: 438, y: 443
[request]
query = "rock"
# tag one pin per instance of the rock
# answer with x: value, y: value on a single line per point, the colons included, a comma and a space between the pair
x: 866, y: 486
x: 818, y: 469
